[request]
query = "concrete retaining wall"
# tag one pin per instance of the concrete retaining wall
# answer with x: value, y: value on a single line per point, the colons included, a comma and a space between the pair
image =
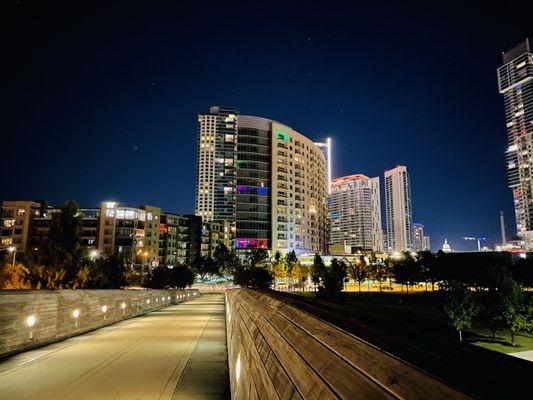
x: 279, y: 352
x: 30, y: 318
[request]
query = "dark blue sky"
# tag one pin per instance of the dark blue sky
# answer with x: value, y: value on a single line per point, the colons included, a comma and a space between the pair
x: 100, y: 100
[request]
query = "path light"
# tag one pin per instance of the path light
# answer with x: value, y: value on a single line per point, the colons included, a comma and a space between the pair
x: 30, y: 321
x: 168, y: 298
x: 104, y: 308
x: 156, y: 300
x: 148, y: 301
x: 238, y: 368
x: 76, y: 314
x: 123, y: 306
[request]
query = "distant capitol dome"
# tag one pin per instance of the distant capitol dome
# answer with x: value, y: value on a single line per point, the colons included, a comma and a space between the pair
x: 446, y: 247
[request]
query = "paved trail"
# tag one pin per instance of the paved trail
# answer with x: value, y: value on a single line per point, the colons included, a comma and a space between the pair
x: 175, y: 353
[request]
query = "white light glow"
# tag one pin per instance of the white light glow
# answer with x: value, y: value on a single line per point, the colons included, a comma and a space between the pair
x: 238, y: 368
x: 76, y: 313
x: 148, y: 301
x: 123, y: 306
x: 104, y: 308
x: 30, y: 321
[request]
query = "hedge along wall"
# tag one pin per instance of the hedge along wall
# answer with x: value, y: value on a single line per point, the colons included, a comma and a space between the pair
x: 276, y: 351
x: 30, y: 318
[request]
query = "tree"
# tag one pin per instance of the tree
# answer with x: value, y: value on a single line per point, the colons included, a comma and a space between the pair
x: 428, y: 268
x: 290, y: 261
x: 277, y: 266
x: 300, y: 273
x: 158, y: 278
x: 256, y: 257
x: 181, y: 276
x: 460, y: 306
x: 358, y: 270
x: 318, y: 269
x: 57, y: 262
x: 107, y: 273
x: 225, y: 260
x: 407, y: 270
x: 333, y: 280
x: 380, y: 271
x: 258, y: 277
x: 14, y: 276
x: 516, y: 310
x: 204, y: 265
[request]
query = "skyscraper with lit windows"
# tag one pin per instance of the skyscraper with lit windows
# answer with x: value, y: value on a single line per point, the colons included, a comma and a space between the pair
x: 274, y: 192
x: 398, y: 209
x: 216, y: 174
x: 515, y: 83
x: 355, y: 212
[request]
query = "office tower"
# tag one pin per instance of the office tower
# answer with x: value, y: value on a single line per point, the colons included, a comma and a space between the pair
x: 216, y: 175
x: 325, y: 146
x: 279, y: 181
x: 355, y: 212
x: 398, y: 209
x: 426, y: 244
x: 515, y: 82
x: 418, y: 237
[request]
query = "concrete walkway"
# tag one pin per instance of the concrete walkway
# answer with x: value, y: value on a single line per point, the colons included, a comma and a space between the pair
x: 175, y: 353
x: 525, y: 355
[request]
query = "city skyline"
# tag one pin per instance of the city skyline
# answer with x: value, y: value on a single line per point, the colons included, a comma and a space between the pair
x: 134, y: 111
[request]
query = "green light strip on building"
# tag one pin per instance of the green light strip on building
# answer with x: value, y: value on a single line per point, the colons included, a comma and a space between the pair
x: 282, y: 135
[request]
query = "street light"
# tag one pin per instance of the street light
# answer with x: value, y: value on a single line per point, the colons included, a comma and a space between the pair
x: 13, y: 249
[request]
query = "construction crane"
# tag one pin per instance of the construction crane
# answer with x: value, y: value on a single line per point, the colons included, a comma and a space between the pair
x: 478, y: 239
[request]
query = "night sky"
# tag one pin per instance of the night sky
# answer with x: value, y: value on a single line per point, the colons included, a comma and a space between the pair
x: 100, y: 99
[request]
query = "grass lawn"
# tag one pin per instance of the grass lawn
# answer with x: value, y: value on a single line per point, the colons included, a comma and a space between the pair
x: 483, y: 337
x: 425, y: 309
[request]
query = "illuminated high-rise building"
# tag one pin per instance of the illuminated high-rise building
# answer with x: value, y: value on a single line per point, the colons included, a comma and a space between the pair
x: 279, y: 181
x: 418, y: 237
x: 426, y: 246
x: 355, y: 212
x: 515, y: 82
x: 325, y: 146
x: 216, y: 174
x: 398, y: 209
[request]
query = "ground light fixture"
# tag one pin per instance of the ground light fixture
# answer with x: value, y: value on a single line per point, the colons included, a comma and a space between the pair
x: 123, y: 306
x: 30, y: 321
x: 148, y: 301
x: 238, y: 368
x: 76, y: 314
x: 104, y: 309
